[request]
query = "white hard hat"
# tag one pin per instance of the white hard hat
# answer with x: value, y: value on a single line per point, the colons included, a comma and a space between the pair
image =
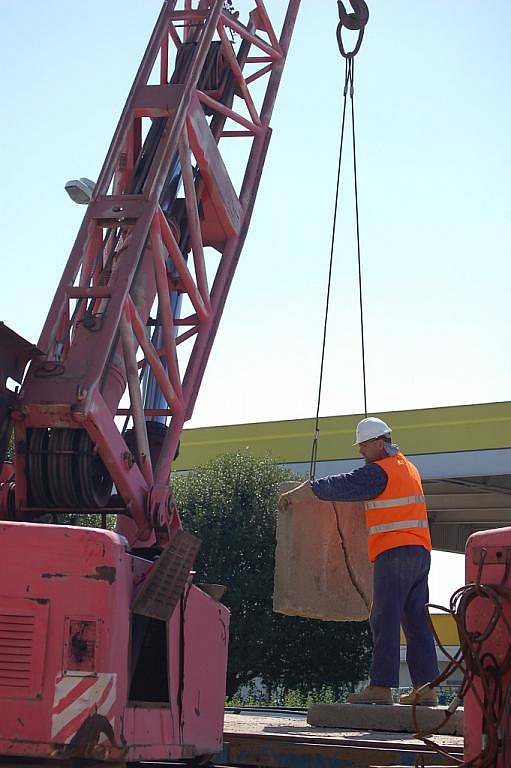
x: 369, y: 428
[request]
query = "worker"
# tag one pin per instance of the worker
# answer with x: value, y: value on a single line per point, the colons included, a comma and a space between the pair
x: 399, y: 545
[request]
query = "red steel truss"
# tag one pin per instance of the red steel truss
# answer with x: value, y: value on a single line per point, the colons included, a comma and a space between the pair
x: 131, y: 253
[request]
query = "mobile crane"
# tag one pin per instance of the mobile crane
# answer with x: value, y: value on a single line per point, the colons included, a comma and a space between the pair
x: 107, y: 649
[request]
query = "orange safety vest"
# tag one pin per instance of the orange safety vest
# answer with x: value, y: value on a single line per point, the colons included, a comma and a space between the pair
x: 398, y: 516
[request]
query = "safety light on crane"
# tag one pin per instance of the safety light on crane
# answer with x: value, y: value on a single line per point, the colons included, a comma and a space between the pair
x: 80, y: 190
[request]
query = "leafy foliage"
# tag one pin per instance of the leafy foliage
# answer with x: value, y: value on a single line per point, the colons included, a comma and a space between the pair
x: 288, y: 698
x: 231, y: 504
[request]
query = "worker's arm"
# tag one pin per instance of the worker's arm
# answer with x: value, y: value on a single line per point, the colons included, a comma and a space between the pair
x: 366, y: 482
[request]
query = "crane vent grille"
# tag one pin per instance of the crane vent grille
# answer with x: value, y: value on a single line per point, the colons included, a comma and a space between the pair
x: 16, y: 651
x: 23, y: 630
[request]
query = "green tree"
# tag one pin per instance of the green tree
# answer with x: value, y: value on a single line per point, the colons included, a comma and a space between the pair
x: 231, y: 504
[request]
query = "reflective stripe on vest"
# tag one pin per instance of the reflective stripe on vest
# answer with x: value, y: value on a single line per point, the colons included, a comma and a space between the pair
x: 398, y: 526
x: 402, y: 502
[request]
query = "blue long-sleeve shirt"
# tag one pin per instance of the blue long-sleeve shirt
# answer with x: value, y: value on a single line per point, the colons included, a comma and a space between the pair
x: 366, y: 482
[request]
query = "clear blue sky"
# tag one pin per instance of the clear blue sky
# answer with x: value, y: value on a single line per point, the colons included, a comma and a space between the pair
x: 433, y: 110
x: 434, y: 169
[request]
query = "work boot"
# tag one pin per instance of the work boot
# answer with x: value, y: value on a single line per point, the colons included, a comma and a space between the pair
x: 373, y: 694
x: 423, y: 697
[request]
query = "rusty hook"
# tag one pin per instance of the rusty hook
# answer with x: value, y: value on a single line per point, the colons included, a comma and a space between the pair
x: 354, y: 21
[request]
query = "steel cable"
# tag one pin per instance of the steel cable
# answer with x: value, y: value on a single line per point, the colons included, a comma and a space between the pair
x: 314, y: 454
x: 359, y: 260
x: 348, y: 89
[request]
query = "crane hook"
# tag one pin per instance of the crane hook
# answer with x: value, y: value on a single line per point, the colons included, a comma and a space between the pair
x: 356, y: 20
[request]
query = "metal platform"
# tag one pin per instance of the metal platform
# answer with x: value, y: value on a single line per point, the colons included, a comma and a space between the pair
x: 284, y: 740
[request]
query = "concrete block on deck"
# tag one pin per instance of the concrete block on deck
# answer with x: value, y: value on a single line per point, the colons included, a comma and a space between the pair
x: 378, y: 717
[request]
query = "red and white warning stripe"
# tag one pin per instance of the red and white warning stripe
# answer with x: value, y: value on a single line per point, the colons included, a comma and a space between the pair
x: 77, y: 698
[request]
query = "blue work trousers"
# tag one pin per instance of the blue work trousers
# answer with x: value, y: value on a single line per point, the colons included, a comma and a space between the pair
x: 400, y: 594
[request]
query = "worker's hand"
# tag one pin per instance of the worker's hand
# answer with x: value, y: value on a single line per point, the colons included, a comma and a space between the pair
x: 299, y: 495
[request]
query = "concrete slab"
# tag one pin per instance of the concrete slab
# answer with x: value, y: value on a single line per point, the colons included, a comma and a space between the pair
x: 378, y: 717
x: 322, y: 570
